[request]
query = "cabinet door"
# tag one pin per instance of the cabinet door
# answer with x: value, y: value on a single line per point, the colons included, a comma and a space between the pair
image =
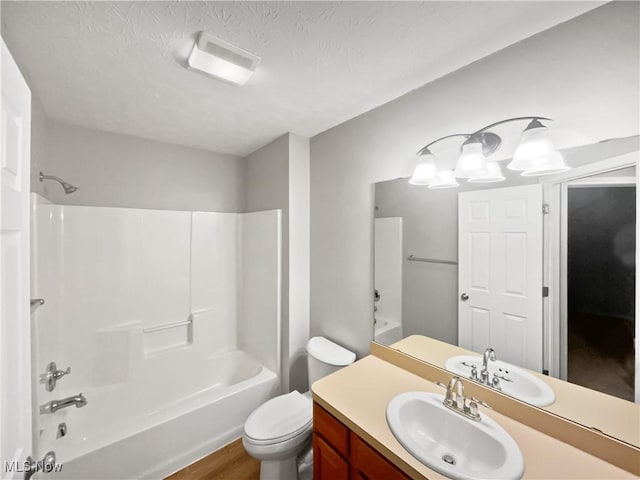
x: 331, y: 429
x: 368, y: 464
x: 327, y: 464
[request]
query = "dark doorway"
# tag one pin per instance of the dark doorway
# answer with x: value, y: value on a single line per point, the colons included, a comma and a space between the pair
x: 601, y: 241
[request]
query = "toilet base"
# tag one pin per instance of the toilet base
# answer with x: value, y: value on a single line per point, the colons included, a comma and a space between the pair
x: 279, y: 469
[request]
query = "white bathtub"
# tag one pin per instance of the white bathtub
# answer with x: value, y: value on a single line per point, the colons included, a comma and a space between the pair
x: 161, y: 431
x: 387, y: 331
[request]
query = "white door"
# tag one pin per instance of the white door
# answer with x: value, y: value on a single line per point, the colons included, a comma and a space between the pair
x: 500, y: 273
x: 15, y: 317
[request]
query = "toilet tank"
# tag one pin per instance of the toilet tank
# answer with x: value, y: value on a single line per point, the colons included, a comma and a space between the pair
x: 325, y: 357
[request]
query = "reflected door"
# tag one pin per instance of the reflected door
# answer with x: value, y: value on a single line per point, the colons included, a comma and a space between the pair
x: 500, y: 273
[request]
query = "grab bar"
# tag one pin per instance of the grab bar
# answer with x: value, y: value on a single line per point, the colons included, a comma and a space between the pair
x: 413, y: 258
x: 166, y: 326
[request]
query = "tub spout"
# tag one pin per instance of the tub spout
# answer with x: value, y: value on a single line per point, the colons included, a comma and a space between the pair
x: 55, y: 405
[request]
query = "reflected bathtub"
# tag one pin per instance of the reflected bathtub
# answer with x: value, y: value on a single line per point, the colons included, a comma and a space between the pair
x: 387, y: 331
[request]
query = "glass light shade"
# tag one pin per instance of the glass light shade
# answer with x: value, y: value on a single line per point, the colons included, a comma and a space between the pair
x: 494, y: 175
x: 472, y: 162
x: 534, y: 150
x: 553, y: 163
x: 444, y: 179
x: 425, y: 170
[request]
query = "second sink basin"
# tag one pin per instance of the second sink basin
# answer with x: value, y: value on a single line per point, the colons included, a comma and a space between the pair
x: 514, y: 381
x: 451, y: 444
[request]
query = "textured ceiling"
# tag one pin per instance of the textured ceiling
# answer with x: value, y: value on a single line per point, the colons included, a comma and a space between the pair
x: 119, y: 66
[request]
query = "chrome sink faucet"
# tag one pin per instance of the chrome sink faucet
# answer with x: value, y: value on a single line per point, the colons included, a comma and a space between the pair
x: 456, y: 401
x: 55, y: 405
x: 489, y: 354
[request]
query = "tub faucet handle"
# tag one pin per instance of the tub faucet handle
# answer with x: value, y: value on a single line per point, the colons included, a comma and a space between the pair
x: 52, y: 375
x: 61, y: 373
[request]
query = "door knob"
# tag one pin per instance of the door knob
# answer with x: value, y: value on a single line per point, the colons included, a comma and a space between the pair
x: 464, y: 297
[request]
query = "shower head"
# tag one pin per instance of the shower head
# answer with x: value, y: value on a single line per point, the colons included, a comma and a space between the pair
x: 68, y: 188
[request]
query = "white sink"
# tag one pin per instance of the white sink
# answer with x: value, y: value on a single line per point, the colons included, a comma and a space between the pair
x: 516, y: 382
x: 451, y: 444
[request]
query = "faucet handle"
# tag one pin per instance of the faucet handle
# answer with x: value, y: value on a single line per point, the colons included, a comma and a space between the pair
x: 58, y: 374
x: 472, y: 408
x: 52, y: 375
x: 495, y: 382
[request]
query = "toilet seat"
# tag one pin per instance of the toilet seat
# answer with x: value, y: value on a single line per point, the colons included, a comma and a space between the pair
x: 279, y: 419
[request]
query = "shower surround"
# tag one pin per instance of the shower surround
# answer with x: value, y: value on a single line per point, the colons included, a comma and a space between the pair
x: 170, y: 321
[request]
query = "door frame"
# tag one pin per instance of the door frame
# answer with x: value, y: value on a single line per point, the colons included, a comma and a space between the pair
x: 555, y: 257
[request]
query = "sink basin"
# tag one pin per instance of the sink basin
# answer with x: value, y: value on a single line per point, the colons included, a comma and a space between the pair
x: 451, y: 444
x: 516, y: 382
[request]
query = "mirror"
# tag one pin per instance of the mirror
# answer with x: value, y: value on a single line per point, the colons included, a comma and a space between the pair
x: 459, y: 270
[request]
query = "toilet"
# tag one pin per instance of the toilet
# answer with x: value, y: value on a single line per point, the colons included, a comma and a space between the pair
x: 280, y: 429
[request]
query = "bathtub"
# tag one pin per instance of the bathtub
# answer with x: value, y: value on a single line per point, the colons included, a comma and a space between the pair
x: 387, y: 331
x: 162, y: 431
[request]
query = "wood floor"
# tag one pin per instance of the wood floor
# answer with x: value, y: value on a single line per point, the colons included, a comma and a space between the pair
x: 600, y: 354
x: 229, y: 463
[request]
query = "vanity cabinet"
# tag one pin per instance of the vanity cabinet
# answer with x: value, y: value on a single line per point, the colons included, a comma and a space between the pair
x: 340, y: 454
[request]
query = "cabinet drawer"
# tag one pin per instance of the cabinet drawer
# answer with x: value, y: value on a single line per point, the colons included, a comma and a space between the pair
x: 334, y: 432
x: 367, y: 463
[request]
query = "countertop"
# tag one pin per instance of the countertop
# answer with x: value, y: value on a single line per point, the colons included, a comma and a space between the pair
x: 358, y: 395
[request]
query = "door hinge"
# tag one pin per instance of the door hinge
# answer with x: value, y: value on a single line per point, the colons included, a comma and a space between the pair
x: 545, y: 208
x: 545, y: 292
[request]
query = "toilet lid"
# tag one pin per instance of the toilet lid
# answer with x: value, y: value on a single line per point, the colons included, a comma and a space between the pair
x: 280, y: 418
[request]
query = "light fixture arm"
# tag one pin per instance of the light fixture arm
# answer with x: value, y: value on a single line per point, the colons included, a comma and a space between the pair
x: 490, y: 141
x: 534, y: 156
x: 425, y: 149
x: 508, y: 120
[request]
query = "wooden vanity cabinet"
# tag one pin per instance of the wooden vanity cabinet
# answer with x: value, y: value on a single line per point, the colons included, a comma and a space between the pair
x: 340, y: 454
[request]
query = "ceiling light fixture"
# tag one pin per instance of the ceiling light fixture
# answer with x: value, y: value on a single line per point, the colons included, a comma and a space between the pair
x: 222, y: 60
x: 534, y: 156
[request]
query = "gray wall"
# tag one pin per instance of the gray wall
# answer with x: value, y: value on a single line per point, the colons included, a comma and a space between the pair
x: 114, y: 170
x: 39, y: 130
x: 430, y: 229
x: 299, y: 268
x: 267, y: 187
x: 277, y: 176
x: 583, y: 72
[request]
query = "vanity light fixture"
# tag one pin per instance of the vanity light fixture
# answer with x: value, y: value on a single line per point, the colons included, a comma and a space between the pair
x: 444, y: 179
x: 534, y: 156
x: 425, y: 170
x: 222, y: 60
